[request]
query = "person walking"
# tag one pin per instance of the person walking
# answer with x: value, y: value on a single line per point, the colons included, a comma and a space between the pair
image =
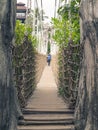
x: 49, y: 59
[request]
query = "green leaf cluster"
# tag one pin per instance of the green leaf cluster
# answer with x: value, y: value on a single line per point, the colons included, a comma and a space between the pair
x: 19, y: 32
x: 22, y: 30
x: 67, y: 26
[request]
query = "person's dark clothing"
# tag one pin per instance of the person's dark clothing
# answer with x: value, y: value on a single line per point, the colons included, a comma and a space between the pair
x: 49, y: 59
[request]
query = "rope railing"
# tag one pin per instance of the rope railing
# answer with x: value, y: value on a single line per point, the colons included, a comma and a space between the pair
x: 28, y: 68
x: 24, y: 65
x: 69, y: 71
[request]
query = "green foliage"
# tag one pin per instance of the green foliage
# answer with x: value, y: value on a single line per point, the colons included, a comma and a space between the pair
x: 67, y: 27
x: 61, y: 91
x: 22, y: 30
x: 48, y: 48
x: 19, y: 32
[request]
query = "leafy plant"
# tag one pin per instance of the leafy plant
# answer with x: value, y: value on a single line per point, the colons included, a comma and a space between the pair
x: 22, y: 30
x: 19, y: 32
x: 67, y: 27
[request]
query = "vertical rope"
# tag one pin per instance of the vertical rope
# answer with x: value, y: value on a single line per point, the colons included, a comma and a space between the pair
x: 55, y: 8
x: 27, y: 10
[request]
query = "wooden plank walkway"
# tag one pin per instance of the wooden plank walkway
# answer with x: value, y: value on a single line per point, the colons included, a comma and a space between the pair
x: 46, y: 110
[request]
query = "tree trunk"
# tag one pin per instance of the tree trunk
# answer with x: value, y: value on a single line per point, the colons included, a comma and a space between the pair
x: 9, y: 109
x: 86, y: 112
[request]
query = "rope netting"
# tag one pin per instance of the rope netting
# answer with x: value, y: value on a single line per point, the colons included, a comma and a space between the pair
x: 70, y: 59
x: 24, y: 66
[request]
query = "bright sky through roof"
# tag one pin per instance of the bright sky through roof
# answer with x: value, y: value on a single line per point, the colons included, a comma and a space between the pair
x: 48, y: 6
